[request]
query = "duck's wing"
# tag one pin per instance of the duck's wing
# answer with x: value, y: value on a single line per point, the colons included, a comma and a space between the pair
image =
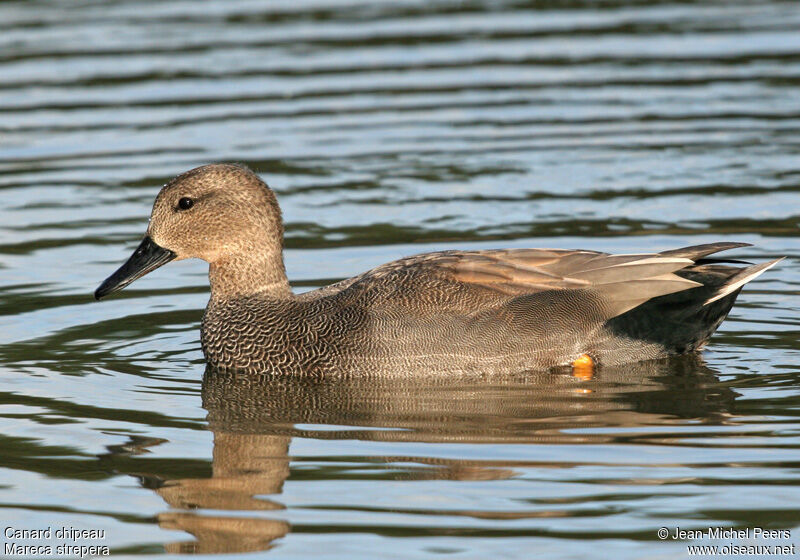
x: 621, y: 282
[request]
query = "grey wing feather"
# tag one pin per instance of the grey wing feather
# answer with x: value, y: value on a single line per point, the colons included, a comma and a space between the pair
x: 621, y: 281
x: 696, y: 252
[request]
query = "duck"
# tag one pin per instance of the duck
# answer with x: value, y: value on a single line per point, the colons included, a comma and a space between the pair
x: 499, y: 310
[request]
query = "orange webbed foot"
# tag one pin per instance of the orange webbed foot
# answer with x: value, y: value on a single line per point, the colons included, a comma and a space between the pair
x: 583, y: 367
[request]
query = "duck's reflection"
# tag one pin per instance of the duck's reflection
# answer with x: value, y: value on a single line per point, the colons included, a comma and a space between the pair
x: 254, y: 418
x: 245, y: 466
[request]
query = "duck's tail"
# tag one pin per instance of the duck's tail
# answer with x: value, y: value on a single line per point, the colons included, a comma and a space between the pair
x: 683, y: 322
x: 740, y: 278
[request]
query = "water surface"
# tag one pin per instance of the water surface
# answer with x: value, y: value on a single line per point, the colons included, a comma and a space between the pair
x: 389, y: 129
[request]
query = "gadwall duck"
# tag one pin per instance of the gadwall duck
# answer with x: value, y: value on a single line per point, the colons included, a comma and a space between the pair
x: 508, y: 309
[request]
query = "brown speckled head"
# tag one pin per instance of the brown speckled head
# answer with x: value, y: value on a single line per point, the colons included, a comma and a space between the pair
x: 221, y: 213
x: 216, y: 212
x: 226, y: 215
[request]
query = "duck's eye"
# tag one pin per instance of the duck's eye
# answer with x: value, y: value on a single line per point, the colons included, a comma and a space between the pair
x: 185, y: 203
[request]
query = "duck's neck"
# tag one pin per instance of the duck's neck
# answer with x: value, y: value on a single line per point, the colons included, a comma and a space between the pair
x: 247, y: 275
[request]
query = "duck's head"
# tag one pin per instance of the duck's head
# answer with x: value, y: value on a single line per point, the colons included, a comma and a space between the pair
x: 218, y: 213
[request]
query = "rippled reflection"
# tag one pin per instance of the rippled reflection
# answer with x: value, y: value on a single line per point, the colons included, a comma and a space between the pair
x: 255, y: 418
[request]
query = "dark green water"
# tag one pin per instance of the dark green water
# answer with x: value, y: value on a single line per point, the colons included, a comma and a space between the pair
x: 389, y: 129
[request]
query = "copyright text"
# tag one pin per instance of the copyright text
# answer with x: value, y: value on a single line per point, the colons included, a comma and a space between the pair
x: 750, y: 541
